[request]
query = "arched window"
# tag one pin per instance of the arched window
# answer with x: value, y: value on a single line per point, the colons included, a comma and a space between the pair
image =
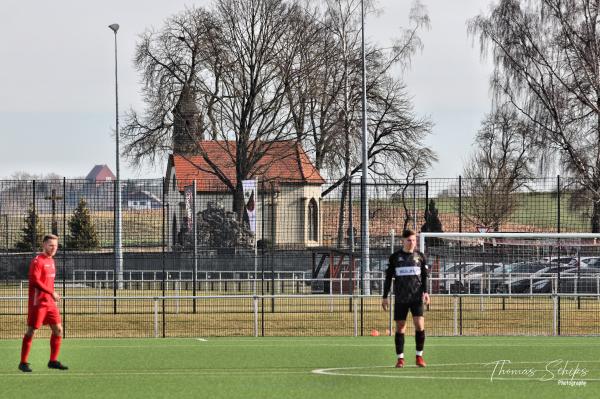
x: 313, y: 220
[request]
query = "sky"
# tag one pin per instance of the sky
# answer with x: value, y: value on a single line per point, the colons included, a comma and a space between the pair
x: 57, y: 89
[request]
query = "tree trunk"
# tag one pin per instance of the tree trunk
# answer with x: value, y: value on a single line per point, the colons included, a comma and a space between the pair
x: 238, y: 201
x: 340, y: 232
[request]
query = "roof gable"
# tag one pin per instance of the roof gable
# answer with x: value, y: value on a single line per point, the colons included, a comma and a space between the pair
x: 100, y: 173
x: 282, y: 162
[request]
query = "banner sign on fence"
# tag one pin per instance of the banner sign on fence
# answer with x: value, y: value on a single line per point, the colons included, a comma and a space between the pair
x: 249, y: 187
x: 189, y: 197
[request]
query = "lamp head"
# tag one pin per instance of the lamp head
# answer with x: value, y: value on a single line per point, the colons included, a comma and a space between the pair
x: 114, y: 27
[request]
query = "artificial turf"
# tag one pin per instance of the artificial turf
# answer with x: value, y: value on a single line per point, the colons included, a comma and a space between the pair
x: 326, y: 367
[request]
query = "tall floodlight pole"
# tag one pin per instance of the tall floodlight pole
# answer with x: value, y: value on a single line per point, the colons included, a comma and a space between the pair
x: 364, y: 199
x: 118, y: 225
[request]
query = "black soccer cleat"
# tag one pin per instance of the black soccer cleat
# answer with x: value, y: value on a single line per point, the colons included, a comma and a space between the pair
x: 24, y: 367
x: 57, y: 365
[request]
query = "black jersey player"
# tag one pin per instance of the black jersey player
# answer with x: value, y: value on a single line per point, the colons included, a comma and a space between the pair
x: 408, y: 268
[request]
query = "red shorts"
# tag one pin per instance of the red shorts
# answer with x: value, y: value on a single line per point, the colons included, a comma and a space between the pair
x: 43, y: 315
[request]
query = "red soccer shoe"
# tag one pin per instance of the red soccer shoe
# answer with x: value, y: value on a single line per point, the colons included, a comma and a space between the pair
x: 400, y: 363
x: 420, y: 362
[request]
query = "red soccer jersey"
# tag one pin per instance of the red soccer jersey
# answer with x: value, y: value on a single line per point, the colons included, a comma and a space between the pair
x: 42, y: 272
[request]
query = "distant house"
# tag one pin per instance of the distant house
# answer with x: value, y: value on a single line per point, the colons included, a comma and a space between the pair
x: 141, y: 200
x: 100, y: 174
x: 288, y: 207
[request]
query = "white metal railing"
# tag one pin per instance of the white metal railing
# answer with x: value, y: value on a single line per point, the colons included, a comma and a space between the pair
x: 492, y: 283
x: 302, y: 282
x: 157, y: 275
x: 253, y: 308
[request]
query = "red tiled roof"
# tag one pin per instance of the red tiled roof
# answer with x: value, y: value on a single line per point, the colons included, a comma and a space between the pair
x: 278, y: 164
x: 100, y: 173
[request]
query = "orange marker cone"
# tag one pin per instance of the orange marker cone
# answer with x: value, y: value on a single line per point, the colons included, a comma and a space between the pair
x: 374, y: 333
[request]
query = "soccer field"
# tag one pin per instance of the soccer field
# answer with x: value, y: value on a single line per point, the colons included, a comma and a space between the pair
x: 458, y: 367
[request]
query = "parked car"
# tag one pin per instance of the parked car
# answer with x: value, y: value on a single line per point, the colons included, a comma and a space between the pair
x: 585, y: 261
x: 562, y: 259
x: 479, y: 276
x: 522, y: 284
x: 465, y: 277
x: 518, y: 276
x: 584, y: 281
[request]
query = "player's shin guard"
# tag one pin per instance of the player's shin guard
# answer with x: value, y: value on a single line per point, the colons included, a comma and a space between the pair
x: 399, y: 341
x: 25, y: 348
x: 55, y: 341
x: 420, y: 340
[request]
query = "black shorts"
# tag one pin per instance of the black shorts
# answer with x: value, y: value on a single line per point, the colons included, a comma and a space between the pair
x: 401, y: 309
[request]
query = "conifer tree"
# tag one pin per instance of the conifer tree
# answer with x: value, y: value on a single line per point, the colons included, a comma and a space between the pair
x: 31, y: 239
x: 432, y: 224
x: 83, y: 232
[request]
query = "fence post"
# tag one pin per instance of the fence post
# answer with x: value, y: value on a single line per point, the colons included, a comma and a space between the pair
x: 155, y: 317
x: 460, y: 248
x: 21, y: 297
x: 460, y: 204
x: 177, y: 294
x: 64, y: 257
x: 559, y: 249
x: 34, y: 242
x: 255, y: 308
x: 455, y: 318
x: 98, y: 294
x: 481, y: 281
x: 554, y: 315
x: 195, y: 237
x: 391, y: 316
x: 163, y: 254
x: 355, y: 316
x: 414, y: 184
x: 426, y: 198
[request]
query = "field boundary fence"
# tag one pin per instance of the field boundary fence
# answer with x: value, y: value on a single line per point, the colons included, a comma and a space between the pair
x: 310, y: 315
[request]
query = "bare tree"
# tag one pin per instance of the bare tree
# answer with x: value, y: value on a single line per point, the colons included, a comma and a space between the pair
x: 334, y: 131
x: 248, y: 73
x: 499, y: 167
x: 233, y: 65
x: 545, y: 55
x: 396, y: 134
x: 170, y: 62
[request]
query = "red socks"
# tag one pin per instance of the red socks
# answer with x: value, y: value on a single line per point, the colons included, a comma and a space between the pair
x: 54, y: 347
x: 55, y: 342
x: 25, y: 348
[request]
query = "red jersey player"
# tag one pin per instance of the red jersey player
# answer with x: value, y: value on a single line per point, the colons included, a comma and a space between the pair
x: 42, y: 308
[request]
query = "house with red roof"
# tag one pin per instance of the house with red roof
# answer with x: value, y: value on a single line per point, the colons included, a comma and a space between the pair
x: 100, y: 174
x: 288, y: 207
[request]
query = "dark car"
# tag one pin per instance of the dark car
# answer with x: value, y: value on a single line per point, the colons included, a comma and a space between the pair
x: 465, y: 277
x: 586, y: 280
x: 586, y: 261
x: 519, y: 275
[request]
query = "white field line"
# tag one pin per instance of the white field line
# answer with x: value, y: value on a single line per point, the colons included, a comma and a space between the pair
x: 111, y: 373
x: 347, y: 372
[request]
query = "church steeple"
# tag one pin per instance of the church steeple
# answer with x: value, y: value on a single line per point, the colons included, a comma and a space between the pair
x: 186, y: 126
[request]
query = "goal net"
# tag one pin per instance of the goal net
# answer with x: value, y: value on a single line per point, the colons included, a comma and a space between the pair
x: 514, y: 263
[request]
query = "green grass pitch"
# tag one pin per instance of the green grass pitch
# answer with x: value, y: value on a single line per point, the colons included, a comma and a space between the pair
x: 344, y: 367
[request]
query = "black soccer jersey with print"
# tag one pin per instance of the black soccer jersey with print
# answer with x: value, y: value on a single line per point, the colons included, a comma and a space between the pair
x: 409, y: 271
